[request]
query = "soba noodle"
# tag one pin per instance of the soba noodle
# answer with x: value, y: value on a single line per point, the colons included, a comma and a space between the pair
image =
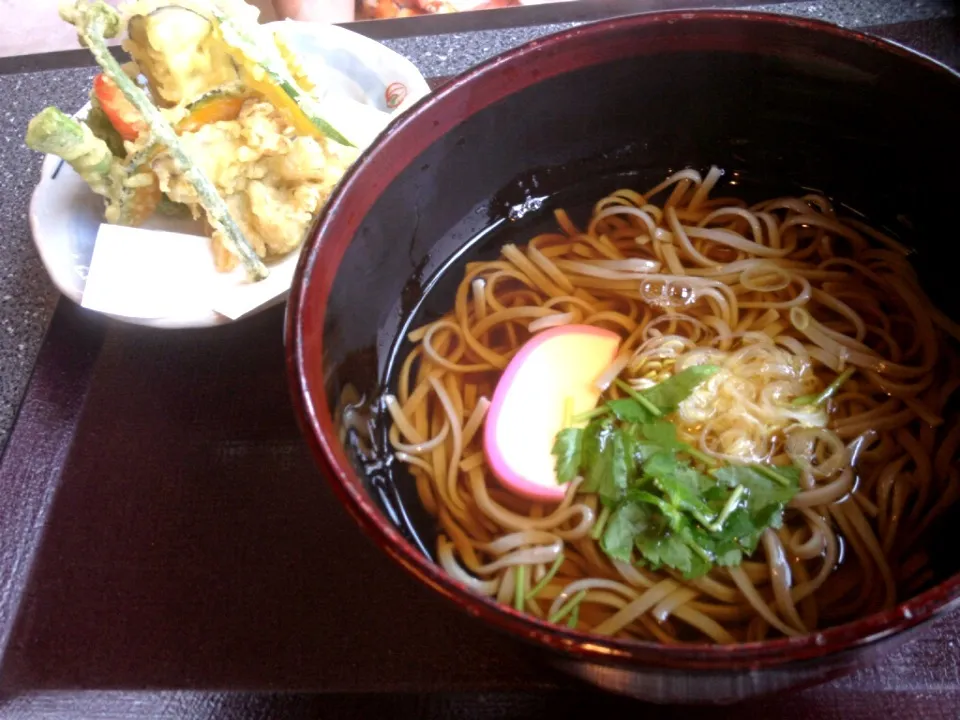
x: 783, y: 296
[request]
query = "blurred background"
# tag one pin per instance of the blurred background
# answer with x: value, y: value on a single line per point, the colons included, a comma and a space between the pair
x: 33, y: 26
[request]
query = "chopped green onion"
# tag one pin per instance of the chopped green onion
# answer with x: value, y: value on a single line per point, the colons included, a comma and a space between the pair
x: 520, y: 577
x: 732, y: 502
x: 647, y: 405
x: 601, y: 523
x: 827, y: 392
x: 771, y: 474
x: 574, y: 617
x: 546, y: 578
x: 568, y: 607
x: 591, y: 414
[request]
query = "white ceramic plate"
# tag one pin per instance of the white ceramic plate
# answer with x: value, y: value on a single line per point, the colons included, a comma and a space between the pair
x: 65, y: 214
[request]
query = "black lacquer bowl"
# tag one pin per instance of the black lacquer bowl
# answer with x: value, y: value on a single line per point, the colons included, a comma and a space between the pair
x: 781, y: 104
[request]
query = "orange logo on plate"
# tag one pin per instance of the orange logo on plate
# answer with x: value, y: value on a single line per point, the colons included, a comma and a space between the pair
x: 395, y: 94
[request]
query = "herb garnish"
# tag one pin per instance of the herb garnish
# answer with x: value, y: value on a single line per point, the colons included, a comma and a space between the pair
x: 656, y: 499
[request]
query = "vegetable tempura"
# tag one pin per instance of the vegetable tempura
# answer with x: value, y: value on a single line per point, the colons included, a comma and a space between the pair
x: 214, y: 114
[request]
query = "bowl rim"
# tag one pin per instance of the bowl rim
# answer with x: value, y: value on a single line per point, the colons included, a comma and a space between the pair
x: 317, y: 424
